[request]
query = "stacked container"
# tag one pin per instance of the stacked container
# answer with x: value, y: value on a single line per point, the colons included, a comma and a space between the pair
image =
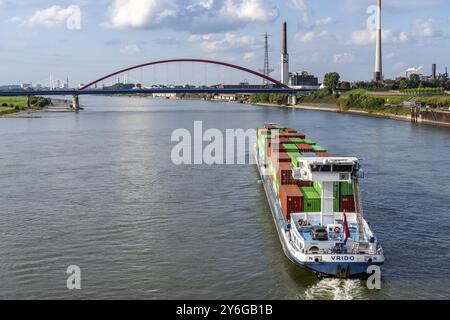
x: 312, y: 200
x: 291, y: 201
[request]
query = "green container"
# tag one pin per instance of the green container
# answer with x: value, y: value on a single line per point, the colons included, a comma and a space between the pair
x: 297, y: 140
x: 337, y: 205
x: 294, y: 156
x: 290, y: 147
x: 309, y: 141
x: 317, y: 148
x: 346, y: 189
x: 318, y: 186
x: 312, y: 200
x: 279, y: 127
x: 337, y: 194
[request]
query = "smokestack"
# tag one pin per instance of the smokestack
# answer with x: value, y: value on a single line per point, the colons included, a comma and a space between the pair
x: 285, y: 58
x: 378, y: 74
x: 433, y: 71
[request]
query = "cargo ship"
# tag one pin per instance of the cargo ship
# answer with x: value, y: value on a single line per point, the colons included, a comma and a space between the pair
x: 316, y: 205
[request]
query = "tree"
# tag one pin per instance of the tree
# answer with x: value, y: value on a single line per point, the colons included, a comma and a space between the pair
x: 403, y: 84
x: 345, y: 85
x: 414, y: 80
x: 331, y: 80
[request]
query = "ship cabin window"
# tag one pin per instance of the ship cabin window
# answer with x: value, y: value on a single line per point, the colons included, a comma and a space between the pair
x: 342, y: 168
x: 321, y: 168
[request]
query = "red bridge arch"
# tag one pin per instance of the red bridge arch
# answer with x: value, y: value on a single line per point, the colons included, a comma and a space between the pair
x: 229, y: 65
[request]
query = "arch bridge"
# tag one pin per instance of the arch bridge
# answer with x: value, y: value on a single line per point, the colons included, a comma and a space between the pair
x: 275, y: 87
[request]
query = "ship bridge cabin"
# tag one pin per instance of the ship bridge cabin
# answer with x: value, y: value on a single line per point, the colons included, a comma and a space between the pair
x: 328, y: 174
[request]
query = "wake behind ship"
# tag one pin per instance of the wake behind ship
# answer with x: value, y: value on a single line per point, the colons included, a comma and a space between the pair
x: 315, y: 202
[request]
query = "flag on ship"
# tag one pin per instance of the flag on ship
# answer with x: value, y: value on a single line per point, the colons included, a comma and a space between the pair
x: 346, y: 229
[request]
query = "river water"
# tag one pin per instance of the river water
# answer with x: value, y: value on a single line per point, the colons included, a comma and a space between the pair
x: 98, y: 190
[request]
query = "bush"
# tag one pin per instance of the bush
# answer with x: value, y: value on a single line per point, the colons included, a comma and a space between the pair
x: 360, y: 101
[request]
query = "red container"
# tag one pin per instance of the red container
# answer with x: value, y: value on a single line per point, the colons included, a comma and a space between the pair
x: 278, y: 158
x: 323, y: 155
x: 303, y: 147
x: 301, y: 184
x: 348, y: 204
x: 289, y: 135
x: 290, y: 130
x: 284, y: 174
x: 291, y: 201
x: 277, y: 147
x: 284, y: 140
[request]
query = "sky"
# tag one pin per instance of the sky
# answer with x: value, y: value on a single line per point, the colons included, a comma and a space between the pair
x: 84, y: 40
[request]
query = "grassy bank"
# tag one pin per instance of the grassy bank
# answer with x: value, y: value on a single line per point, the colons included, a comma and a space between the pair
x: 367, y: 101
x: 10, y: 105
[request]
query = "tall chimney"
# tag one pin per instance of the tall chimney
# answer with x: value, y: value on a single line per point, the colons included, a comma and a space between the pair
x: 433, y: 71
x: 284, y: 58
x: 378, y: 74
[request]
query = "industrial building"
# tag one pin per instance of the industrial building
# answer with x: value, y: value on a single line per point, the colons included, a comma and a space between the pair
x: 302, y: 78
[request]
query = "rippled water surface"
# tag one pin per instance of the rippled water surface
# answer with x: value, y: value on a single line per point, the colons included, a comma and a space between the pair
x: 98, y: 190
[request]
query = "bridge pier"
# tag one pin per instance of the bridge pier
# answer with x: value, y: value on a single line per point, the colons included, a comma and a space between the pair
x: 76, y: 103
x: 29, y: 102
x: 292, y: 100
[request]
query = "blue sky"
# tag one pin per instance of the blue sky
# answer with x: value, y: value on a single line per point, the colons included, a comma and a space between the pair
x: 40, y: 37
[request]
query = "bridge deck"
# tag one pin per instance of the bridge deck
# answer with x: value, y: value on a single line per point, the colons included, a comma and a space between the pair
x: 152, y: 91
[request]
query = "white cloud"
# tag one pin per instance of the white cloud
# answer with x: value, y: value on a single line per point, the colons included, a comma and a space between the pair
x: 343, y: 58
x: 224, y: 42
x: 301, y: 6
x: 324, y: 21
x: 54, y: 16
x: 191, y: 15
x: 424, y: 28
x: 310, y: 36
x: 307, y: 37
x: 366, y: 37
x: 249, y: 56
x: 130, y: 50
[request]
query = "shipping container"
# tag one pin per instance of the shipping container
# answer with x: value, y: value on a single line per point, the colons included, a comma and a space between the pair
x: 284, y: 140
x: 297, y: 140
x: 318, y: 187
x: 323, y: 155
x: 279, y: 157
x: 312, y: 200
x: 318, y: 148
x: 337, y: 205
x: 309, y: 154
x: 301, y: 184
x: 290, y: 130
x: 346, y: 189
x: 348, y: 204
x: 289, y: 147
x: 337, y: 193
x: 304, y: 147
x: 294, y: 158
x: 291, y: 199
x: 284, y: 174
x: 288, y: 135
x: 310, y: 142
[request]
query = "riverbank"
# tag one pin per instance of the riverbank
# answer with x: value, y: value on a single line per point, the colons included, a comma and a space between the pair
x: 16, y: 107
x: 427, y: 117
